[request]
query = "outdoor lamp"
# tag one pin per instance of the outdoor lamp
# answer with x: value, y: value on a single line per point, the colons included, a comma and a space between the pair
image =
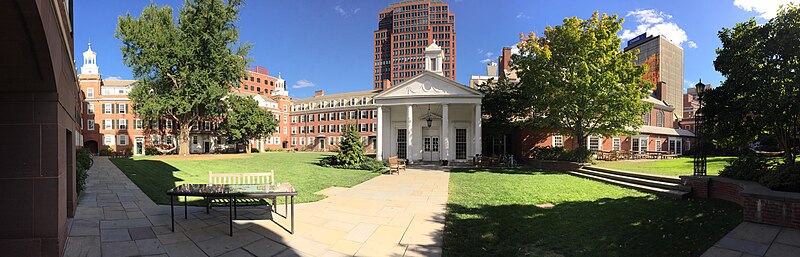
x: 700, y: 87
x: 429, y: 120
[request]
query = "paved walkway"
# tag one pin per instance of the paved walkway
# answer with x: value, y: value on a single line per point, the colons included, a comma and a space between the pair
x: 389, y: 215
x: 752, y: 239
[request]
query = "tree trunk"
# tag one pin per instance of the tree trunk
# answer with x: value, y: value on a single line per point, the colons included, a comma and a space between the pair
x: 183, y: 145
x: 247, y: 146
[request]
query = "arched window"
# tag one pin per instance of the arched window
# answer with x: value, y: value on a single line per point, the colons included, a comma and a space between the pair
x: 660, y: 119
x: 646, y: 119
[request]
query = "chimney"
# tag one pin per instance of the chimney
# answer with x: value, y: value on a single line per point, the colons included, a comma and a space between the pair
x: 387, y: 84
x: 661, y: 91
x: 491, y: 69
x: 319, y: 93
x: 504, y: 62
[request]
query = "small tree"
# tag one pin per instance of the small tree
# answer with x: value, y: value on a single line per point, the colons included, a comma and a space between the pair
x: 577, y: 81
x: 244, y: 121
x: 351, y: 149
x: 184, y: 66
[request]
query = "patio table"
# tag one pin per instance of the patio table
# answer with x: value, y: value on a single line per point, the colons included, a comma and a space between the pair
x: 232, y: 192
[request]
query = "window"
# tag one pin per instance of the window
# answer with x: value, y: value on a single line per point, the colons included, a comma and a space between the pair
x: 341, y: 116
x: 302, y: 141
x: 90, y: 124
x: 675, y: 146
x: 401, y: 143
x: 294, y: 141
x: 461, y: 144
x: 639, y: 144
x: 122, y: 108
x: 123, y: 124
x: 108, y: 124
x: 108, y: 139
x: 90, y: 109
x: 168, y: 124
x: 558, y: 141
x: 363, y: 114
x: 646, y: 119
x: 108, y: 108
x: 194, y: 125
x: 194, y: 140
x: 122, y: 140
x: 616, y: 144
x: 155, y: 139
x: 90, y: 93
x: 374, y: 127
x: 285, y: 130
x: 330, y: 141
x: 294, y: 130
x: 593, y: 143
x: 322, y: 128
x: 362, y: 127
x: 660, y: 119
x: 658, y: 145
x: 154, y: 125
x: 207, y: 125
x: 322, y: 117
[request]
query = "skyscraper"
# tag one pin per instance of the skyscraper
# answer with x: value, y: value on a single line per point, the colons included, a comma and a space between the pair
x: 405, y: 28
x: 665, y: 64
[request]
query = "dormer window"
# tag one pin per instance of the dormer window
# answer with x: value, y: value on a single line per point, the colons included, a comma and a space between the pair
x: 433, y: 64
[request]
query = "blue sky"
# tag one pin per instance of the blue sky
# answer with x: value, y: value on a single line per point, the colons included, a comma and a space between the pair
x: 328, y: 44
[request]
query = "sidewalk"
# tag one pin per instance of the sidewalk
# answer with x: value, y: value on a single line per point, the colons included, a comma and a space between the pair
x: 390, y: 215
x: 753, y: 239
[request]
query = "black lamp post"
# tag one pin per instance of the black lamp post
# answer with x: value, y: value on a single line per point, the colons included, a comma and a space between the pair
x: 699, y: 153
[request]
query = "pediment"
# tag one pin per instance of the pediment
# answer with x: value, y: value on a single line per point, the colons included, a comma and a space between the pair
x: 429, y: 84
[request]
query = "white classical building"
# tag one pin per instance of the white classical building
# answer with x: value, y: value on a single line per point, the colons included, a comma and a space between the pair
x: 429, y: 117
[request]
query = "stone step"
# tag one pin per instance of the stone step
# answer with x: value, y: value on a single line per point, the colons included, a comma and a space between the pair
x: 635, y: 174
x: 636, y: 180
x: 671, y: 193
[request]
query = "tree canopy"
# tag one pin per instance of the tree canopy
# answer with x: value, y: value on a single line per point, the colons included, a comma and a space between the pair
x: 245, y: 120
x: 183, y: 66
x: 576, y: 80
x: 760, y: 95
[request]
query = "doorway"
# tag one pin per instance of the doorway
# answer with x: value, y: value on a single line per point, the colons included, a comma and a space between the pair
x: 322, y: 143
x: 206, y: 147
x: 138, y: 146
x: 430, y: 144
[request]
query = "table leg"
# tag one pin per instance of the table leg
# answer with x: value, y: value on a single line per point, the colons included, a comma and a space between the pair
x: 230, y: 213
x: 235, y: 214
x: 292, y: 215
x: 185, y: 209
x: 172, y: 211
x: 285, y: 207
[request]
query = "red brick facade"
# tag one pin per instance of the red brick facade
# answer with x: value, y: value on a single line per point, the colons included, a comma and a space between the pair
x: 317, y: 122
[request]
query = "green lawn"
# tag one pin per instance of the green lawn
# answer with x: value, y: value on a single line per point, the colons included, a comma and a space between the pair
x: 673, y: 167
x: 493, y: 213
x: 156, y: 176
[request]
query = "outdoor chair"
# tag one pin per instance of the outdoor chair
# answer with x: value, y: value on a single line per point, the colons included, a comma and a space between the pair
x: 395, y: 165
x: 265, y: 178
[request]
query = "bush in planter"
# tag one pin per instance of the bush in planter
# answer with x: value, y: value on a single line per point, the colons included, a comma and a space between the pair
x: 782, y: 178
x: 151, y: 151
x: 748, y: 167
x: 83, y: 161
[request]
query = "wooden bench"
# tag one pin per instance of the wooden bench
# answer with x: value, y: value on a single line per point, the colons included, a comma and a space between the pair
x: 241, y: 178
x: 395, y: 165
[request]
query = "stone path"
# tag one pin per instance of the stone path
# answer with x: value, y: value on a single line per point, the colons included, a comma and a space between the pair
x: 390, y: 215
x: 752, y: 239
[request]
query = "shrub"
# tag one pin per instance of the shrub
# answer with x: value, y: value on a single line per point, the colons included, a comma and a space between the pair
x: 351, y: 154
x: 106, y: 152
x: 561, y: 154
x: 151, y: 151
x: 83, y: 161
x: 782, y: 178
x: 746, y: 168
x: 128, y: 152
x: 253, y: 150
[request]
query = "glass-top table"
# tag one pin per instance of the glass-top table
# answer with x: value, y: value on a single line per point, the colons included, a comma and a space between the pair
x: 232, y: 192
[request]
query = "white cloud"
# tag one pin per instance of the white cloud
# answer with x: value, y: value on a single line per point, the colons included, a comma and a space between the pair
x: 487, y: 60
x: 489, y: 54
x: 514, y: 49
x: 480, y: 51
x: 766, y: 9
x: 522, y: 15
x: 655, y: 22
x: 113, y: 78
x: 356, y: 10
x: 344, y: 13
x: 303, y: 84
x: 692, y: 44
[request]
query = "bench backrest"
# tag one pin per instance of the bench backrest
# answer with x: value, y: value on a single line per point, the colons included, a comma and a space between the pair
x: 393, y: 161
x: 242, y: 178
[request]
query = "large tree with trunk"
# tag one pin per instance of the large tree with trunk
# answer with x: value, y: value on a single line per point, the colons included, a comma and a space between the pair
x: 184, y: 66
x: 760, y: 95
x: 245, y: 120
x: 577, y: 81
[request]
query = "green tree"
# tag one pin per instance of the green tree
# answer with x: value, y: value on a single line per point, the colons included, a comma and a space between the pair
x: 244, y: 120
x: 577, y: 81
x: 761, y: 91
x: 184, y: 66
x: 351, y: 149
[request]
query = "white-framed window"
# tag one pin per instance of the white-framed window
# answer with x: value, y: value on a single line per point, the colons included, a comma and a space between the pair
x: 108, y: 140
x: 206, y: 125
x: 285, y: 130
x: 108, y: 124
x: 155, y: 139
x: 285, y: 118
x: 122, y: 124
x: 352, y: 115
x: 374, y: 127
x: 194, y: 125
x: 675, y: 145
x: 90, y: 108
x: 341, y: 127
x: 341, y: 116
x: 658, y: 145
x: 558, y: 141
x: 122, y: 140
x: 194, y: 140
x: 122, y: 108
x: 330, y: 141
x: 294, y: 119
x: 302, y: 141
x: 322, y: 117
x: 108, y: 108
x: 138, y: 124
x: 364, y: 114
x: 90, y: 124
x: 639, y: 143
x: 593, y: 142
x: 660, y: 119
x: 90, y: 93
x: 294, y: 142
x: 322, y: 128
x: 154, y: 125
x: 294, y: 130
x: 616, y: 144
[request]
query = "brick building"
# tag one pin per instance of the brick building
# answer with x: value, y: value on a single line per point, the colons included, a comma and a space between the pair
x: 317, y: 122
x: 108, y: 121
x: 405, y: 29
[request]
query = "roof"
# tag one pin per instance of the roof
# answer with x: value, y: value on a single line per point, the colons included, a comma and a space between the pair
x: 658, y: 103
x: 119, y: 82
x: 665, y: 131
x: 348, y: 95
x: 433, y: 75
x: 251, y: 95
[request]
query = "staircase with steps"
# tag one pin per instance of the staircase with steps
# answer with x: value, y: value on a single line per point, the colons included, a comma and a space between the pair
x: 660, y: 185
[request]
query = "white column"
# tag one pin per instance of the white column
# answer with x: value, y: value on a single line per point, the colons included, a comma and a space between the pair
x: 409, y: 129
x: 446, y: 131
x: 379, y: 138
x: 478, y: 132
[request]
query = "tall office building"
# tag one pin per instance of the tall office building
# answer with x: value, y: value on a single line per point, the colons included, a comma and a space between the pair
x: 405, y: 29
x: 665, y: 62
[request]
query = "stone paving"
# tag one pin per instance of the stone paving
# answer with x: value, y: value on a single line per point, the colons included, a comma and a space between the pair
x: 752, y: 239
x: 389, y: 215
